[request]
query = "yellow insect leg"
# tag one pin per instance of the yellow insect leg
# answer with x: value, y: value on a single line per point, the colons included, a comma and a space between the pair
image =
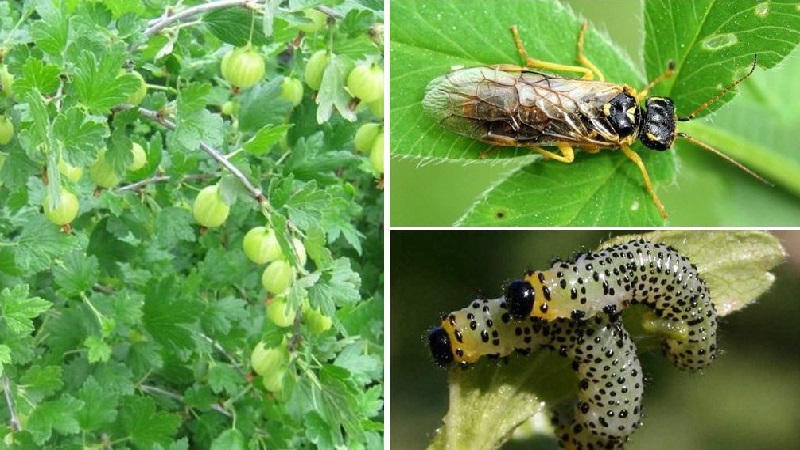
x: 536, y: 64
x: 567, y: 154
x: 583, y: 59
x: 633, y: 156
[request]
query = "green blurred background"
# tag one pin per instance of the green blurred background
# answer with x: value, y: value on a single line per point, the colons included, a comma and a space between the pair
x: 438, y: 194
x: 748, y: 399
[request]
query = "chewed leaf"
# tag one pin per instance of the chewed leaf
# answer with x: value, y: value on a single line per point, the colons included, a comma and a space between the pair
x: 735, y: 264
x: 489, y: 401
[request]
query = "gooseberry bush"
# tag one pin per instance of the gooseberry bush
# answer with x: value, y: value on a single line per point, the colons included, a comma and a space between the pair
x: 191, y: 246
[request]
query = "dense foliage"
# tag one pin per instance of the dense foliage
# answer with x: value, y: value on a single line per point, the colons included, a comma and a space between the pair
x: 135, y: 157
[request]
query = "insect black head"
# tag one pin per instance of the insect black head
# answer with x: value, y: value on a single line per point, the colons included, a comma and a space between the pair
x: 519, y: 297
x: 658, y: 128
x: 439, y: 342
x: 623, y: 114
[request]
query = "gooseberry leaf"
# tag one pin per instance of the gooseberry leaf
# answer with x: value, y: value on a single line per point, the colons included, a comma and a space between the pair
x: 233, y: 26
x: 736, y: 264
x: 17, y: 309
x: 99, y: 83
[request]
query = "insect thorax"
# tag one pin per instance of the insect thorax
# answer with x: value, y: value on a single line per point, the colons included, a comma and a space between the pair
x: 653, y: 124
x: 624, y: 115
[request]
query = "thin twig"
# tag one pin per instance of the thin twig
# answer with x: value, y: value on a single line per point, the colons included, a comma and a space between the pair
x: 161, y: 179
x: 179, y: 398
x: 14, y: 422
x: 140, y: 183
x: 222, y: 350
x: 157, y: 25
x: 170, y: 125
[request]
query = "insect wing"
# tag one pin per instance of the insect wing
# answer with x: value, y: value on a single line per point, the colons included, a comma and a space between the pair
x: 522, y: 108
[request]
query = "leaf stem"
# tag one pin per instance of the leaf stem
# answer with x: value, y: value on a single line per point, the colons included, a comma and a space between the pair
x: 161, y: 179
x: 157, y: 25
x: 225, y: 353
x: 771, y: 165
x: 211, y: 151
x: 14, y: 422
x: 179, y: 398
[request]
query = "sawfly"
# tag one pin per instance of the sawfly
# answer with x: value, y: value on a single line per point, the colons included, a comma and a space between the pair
x: 519, y: 106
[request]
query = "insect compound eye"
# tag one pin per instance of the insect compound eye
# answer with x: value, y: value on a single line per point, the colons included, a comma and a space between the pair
x: 658, y: 130
x: 439, y: 342
x: 519, y: 299
x: 623, y: 114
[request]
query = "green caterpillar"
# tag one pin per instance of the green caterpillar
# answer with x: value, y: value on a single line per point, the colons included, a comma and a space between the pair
x: 636, y: 272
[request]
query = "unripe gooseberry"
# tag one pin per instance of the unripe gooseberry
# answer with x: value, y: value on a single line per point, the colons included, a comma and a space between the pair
x: 266, y: 360
x: 209, y: 209
x: 140, y: 92
x: 243, y: 67
x: 376, y: 154
x: 273, y: 382
x: 365, y: 136
x: 230, y: 108
x: 278, y: 277
x: 317, y: 18
x: 316, y: 321
x: 6, y: 80
x: 366, y: 82
x: 280, y: 313
x: 261, y: 246
x: 300, y: 251
x: 315, y: 68
x: 6, y: 130
x: 139, y: 157
x: 65, y: 212
x: 71, y: 172
x: 292, y: 90
x: 376, y: 107
x: 102, y: 173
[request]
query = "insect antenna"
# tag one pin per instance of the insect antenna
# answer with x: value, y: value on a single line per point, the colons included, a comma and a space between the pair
x: 710, y: 148
x: 723, y: 156
x: 720, y: 94
x: 667, y: 74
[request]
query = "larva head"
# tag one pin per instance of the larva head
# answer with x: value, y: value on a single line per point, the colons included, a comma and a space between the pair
x: 519, y: 298
x: 439, y: 342
x: 484, y: 328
